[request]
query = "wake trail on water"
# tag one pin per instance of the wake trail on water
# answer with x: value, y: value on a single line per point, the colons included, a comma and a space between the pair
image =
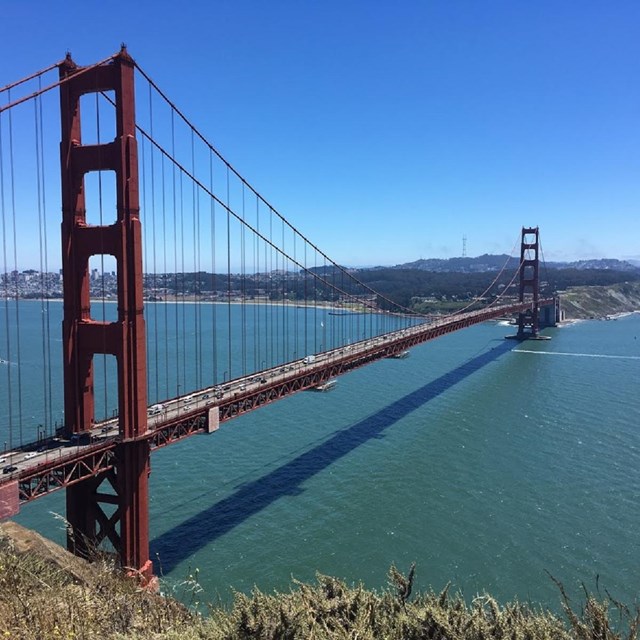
x: 576, y: 355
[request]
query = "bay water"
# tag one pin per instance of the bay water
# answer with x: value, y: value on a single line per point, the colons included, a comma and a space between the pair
x: 488, y: 462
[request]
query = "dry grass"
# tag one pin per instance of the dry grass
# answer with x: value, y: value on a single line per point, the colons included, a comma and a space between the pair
x: 38, y: 600
x: 41, y: 601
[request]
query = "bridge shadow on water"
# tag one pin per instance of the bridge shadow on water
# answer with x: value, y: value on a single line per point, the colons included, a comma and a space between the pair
x: 179, y: 543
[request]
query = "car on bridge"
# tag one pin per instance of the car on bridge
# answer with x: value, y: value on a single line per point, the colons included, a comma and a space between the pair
x: 78, y: 439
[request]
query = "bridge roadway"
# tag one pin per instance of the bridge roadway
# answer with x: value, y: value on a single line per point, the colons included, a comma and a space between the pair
x: 55, y: 464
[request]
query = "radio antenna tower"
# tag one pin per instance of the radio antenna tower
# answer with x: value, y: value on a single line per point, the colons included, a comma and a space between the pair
x: 464, y: 246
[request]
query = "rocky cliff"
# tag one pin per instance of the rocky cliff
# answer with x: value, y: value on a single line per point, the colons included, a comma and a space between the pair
x: 600, y: 302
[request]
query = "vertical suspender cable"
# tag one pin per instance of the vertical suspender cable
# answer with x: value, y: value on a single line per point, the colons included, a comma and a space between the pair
x: 175, y: 259
x: 201, y: 283
x: 43, y: 320
x: 49, y: 418
x: 15, y: 263
x: 6, y: 291
x: 306, y: 300
x: 47, y: 309
x: 272, y: 316
x: 228, y: 280
x: 165, y: 307
x: 256, y: 262
x: 145, y: 239
x: 154, y: 242
x: 267, y: 310
x: 285, y: 342
x: 334, y: 295
x: 183, y: 290
x: 196, y: 269
x: 243, y: 277
x: 214, y: 287
x: 284, y: 299
x: 315, y: 301
x: 323, y: 314
x: 296, y: 297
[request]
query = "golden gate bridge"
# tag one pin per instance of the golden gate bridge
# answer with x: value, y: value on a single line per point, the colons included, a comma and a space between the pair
x: 241, y: 308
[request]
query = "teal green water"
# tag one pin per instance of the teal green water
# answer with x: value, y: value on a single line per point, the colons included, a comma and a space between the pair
x: 484, y: 463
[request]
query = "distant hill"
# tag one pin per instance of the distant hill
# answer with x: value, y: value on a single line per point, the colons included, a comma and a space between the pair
x: 480, y: 264
x: 610, y: 264
x: 489, y: 262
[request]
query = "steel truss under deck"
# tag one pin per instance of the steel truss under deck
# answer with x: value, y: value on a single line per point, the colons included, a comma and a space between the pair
x: 101, y: 459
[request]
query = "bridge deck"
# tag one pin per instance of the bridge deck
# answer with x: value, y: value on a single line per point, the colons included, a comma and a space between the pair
x: 40, y: 472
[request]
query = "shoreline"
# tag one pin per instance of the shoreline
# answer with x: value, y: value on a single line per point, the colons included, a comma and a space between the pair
x: 194, y: 300
x: 295, y: 304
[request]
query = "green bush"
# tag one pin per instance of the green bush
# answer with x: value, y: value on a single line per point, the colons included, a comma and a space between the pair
x: 38, y: 600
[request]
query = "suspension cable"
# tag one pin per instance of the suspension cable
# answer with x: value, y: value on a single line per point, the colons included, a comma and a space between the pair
x: 248, y: 185
x: 484, y: 293
x: 212, y: 149
x: 232, y: 213
x: 33, y: 76
x: 544, y: 263
x: 499, y: 296
x: 60, y: 82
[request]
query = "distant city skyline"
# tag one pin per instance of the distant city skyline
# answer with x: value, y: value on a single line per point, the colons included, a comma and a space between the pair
x: 385, y: 133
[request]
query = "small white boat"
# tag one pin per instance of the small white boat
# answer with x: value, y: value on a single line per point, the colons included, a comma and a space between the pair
x: 326, y: 386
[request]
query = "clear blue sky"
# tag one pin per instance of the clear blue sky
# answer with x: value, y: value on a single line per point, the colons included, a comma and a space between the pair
x: 385, y: 131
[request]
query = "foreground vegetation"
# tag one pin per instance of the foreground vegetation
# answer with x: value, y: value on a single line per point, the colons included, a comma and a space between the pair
x: 40, y: 600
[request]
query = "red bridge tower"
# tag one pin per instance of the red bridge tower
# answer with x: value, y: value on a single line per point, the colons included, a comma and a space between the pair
x: 528, y: 323
x: 126, y: 527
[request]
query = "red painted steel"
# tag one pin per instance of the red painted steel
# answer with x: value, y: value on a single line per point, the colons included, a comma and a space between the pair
x: 9, y: 499
x: 64, y: 469
x: 84, y: 337
x: 528, y: 321
x: 113, y: 473
x: 99, y: 459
